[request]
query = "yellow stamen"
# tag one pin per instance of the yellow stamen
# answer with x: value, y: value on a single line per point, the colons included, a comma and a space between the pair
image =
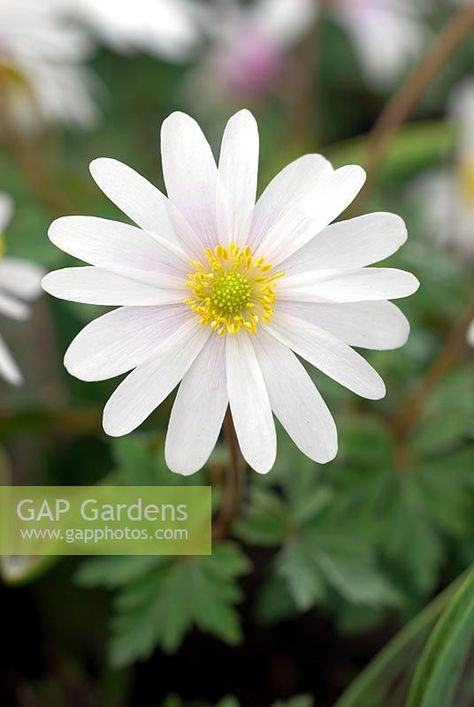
x: 12, y: 78
x: 466, y: 179
x: 233, y: 290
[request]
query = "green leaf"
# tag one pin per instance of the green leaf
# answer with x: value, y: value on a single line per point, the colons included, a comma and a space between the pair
x: 355, y: 576
x: 305, y: 582
x: 228, y: 702
x: 416, y: 146
x: 315, y: 565
x: 355, y: 619
x: 136, y: 465
x: 443, y: 658
x: 446, y: 486
x: 310, y: 505
x: 115, y: 571
x: 140, y: 462
x: 159, y: 607
x: 373, y: 686
x: 298, y: 701
x: 172, y: 701
x: 411, y: 542
x: 275, y: 602
x: 265, y: 520
x: 447, y: 418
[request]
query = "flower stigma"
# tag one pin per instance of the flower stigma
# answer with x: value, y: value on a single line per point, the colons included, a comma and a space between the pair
x: 231, y: 289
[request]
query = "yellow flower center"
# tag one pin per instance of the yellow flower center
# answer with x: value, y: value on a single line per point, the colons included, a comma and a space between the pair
x: 12, y: 78
x: 466, y: 179
x: 231, y: 289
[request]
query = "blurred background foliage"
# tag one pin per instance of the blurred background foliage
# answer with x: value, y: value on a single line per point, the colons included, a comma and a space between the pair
x: 324, y: 563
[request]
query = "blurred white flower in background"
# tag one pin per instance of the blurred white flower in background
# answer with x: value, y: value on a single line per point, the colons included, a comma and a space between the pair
x: 42, y: 79
x: 248, y: 45
x: 470, y: 334
x: 19, y: 280
x: 447, y: 195
x: 164, y: 28
x: 218, y: 293
x: 388, y: 34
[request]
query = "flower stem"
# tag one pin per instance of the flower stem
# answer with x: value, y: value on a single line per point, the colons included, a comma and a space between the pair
x: 233, y: 487
x: 405, y: 100
x: 408, y: 415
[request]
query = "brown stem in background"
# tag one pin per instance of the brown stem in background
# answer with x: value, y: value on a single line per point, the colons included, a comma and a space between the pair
x: 29, y: 161
x: 409, y: 414
x: 399, y: 109
x: 233, y: 488
x: 301, y: 99
x: 302, y: 90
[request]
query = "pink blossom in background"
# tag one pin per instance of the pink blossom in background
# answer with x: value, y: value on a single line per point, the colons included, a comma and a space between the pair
x: 249, y: 47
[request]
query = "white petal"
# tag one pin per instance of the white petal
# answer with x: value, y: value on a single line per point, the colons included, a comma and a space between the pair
x: 376, y: 325
x: 8, y: 368
x: 286, y: 191
x: 13, y: 308
x: 190, y: 173
x: 354, y: 243
x: 111, y: 245
x: 121, y: 340
x: 362, y: 284
x: 296, y: 401
x: 238, y: 171
x: 323, y: 203
x: 198, y: 410
x: 91, y: 285
x: 143, y: 203
x: 21, y: 278
x: 249, y: 404
x: 148, y: 385
x: 6, y: 210
x: 333, y: 357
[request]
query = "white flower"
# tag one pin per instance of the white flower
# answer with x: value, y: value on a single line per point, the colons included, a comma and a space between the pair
x: 19, y: 280
x: 164, y: 28
x: 42, y: 80
x: 388, y: 34
x: 470, y: 334
x: 449, y: 193
x: 248, y: 45
x: 217, y: 292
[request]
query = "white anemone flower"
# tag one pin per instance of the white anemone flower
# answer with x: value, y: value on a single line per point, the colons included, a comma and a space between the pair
x: 387, y: 34
x: 164, y: 28
x: 249, y: 45
x: 42, y: 79
x: 449, y: 192
x: 19, y: 280
x: 470, y: 334
x: 224, y: 294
